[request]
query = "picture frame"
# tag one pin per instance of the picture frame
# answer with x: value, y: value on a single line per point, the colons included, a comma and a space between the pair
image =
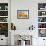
x: 22, y: 14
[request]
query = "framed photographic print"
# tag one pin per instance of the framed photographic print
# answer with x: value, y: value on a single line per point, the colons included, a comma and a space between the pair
x: 23, y: 14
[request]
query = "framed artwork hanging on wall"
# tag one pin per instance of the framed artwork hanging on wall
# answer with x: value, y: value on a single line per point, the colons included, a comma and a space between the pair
x: 22, y: 14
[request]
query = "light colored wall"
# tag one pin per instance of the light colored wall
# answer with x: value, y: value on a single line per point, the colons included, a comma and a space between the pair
x: 23, y: 24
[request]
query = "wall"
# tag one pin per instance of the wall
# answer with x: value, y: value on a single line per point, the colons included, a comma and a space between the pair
x: 32, y: 6
x: 23, y: 24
